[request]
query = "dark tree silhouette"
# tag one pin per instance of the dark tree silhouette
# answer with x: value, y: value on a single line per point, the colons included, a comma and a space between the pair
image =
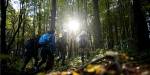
x: 3, y: 26
x: 140, y: 26
x: 53, y: 15
x: 3, y: 65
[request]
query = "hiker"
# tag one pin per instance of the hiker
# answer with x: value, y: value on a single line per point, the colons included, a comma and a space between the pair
x: 31, y: 47
x: 47, y: 44
x: 62, y: 47
x: 83, y: 44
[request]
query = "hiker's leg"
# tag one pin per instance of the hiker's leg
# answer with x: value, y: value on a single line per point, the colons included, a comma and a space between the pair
x: 35, y: 67
x: 41, y: 62
x: 26, y: 59
x: 36, y: 59
x: 63, y: 57
x: 50, y: 59
x: 82, y: 56
x: 50, y: 62
x: 43, y: 56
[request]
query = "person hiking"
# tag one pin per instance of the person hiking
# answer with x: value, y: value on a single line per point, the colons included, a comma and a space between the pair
x: 62, y: 47
x: 83, y: 44
x: 47, y: 45
x: 31, y: 47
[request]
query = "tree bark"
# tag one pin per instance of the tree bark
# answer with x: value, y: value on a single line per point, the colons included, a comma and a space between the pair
x: 3, y: 50
x: 3, y: 27
x: 97, y: 26
x: 53, y: 15
x: 39, y: 17
x: 141, y: 27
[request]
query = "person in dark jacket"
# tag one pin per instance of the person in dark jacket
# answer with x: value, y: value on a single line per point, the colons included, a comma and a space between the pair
x: 47, y: 44
x: 31, y: 51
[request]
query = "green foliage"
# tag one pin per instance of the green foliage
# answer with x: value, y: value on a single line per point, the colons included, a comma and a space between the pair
x: 76, y: 61
x: 17, y: 64
x: 4, y: 56
x: 41, y: 73
x: 13, y: 63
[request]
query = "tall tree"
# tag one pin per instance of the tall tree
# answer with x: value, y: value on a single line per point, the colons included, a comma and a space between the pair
x: 53, y: 15
x: 3, y: 62
x: 97, y: 26
x: 141, y: 27
x: 3, y: 26
x: 39, y: 16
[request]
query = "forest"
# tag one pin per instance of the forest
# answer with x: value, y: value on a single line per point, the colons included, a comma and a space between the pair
x: 75, y: 37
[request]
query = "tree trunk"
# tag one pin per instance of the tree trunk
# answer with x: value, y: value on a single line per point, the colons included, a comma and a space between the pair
x: 109, y: 27
x: 3, y: 62
x: 97, y: 27
x: 39, y: 17
x: 141, y: 27
x: 3, y: 27
x: 53, y: 15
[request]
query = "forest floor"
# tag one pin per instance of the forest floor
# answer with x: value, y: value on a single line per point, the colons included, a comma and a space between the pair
x: 112, y: 63
x: 107, y: 65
